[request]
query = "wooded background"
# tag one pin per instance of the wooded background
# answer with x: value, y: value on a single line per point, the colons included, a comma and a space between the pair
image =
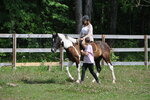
x: 65, y: 16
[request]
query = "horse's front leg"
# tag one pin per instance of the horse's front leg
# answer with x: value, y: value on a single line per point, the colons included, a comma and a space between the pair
x: 79, y: 75
x: 67, y: 69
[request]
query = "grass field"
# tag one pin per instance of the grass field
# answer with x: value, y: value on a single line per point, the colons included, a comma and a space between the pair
x: 36, y: 83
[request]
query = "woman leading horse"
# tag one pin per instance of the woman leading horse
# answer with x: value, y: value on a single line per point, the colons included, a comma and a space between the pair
x: 100, y: 50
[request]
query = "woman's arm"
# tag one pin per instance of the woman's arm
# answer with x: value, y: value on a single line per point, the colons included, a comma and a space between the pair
x: 84, y: 53
x: 83, y: 44
x: 80, y: 34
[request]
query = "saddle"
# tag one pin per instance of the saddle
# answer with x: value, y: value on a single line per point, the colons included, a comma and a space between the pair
x: 96, y: 50
x: 94, y: 46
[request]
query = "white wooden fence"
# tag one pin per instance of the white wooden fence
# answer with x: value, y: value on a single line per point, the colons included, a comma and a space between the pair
x: 14, y: 50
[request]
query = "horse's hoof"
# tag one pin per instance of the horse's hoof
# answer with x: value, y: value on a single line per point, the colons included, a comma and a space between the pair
x: 113, y: 81
x: 73, y: 79
x: 93, y: 81
x: 77, y: 81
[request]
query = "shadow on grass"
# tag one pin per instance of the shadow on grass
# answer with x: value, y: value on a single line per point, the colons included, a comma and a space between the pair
x: 51, y: 81
x: 39, y: 81
x: 69, y: 80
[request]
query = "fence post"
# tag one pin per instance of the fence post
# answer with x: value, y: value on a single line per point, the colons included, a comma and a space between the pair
x: 14, y: 51
x: 61, y: 57
x: 146, y: 50
x: 103, y: 40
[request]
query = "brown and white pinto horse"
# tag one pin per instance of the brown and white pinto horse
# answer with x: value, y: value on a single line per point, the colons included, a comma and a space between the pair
x: 71, y: 45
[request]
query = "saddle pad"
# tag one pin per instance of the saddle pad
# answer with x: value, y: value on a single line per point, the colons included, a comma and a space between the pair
x: 94, y: 46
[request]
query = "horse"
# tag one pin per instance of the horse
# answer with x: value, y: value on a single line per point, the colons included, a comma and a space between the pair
x: 101, y: 51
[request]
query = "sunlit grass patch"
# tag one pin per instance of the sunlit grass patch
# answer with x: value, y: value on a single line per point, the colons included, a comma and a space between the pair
x: 37, y: 83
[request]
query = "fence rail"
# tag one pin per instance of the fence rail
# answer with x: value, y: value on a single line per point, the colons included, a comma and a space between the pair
x: 65, y: 63
x: 73, y: 35
x: 16, y: 50
x: 9, y: 50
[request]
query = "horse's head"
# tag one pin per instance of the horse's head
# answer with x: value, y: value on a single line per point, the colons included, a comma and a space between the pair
x: 61, y: 39
x: 56, y: 42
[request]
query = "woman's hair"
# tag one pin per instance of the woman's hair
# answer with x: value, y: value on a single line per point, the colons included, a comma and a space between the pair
x: 87, y: 40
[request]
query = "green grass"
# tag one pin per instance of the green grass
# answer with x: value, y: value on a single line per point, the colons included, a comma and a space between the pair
x: 36, y: 83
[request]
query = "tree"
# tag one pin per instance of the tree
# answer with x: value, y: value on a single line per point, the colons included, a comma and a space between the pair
x: 88, y: 8
x: 78, y: 15
x: 113, y: 21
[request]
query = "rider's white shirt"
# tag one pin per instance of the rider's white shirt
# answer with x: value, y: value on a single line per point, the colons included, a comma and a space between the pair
x: 87, y: 31
x: 84, y: 31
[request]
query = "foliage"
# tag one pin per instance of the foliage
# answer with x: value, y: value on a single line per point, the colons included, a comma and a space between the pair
x: 34, y: 16
x: 130, y: 56
x: 58, y: 16
x: 28, y: 17
x: 114, y: 57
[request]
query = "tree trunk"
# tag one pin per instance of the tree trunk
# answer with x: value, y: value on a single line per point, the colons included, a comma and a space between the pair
x: 88, y: 8
x: 148, y: 32
x: 78, y: 15
x: 113, y: 19
x: 142, y: 22
x: 113, y: 15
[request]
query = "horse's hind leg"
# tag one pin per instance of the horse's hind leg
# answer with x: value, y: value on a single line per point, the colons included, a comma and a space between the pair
x: 112, y: 71
x: 106, y: 57
x: 98, y: 67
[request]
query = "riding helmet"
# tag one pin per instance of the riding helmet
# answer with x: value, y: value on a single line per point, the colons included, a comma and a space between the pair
x: 85, y: 18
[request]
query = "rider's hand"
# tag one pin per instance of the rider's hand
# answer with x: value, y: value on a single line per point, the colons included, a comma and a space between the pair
x: 81, y: 38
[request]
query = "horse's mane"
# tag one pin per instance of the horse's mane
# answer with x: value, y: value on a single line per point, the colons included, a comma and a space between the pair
x: 71, y: 39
